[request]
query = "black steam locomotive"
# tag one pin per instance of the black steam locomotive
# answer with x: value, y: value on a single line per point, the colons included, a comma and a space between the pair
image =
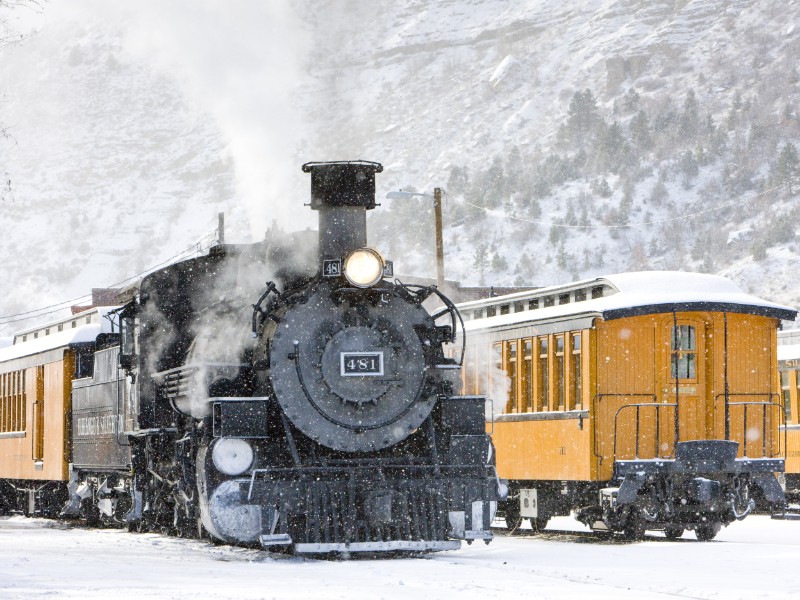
x: 322, y: 416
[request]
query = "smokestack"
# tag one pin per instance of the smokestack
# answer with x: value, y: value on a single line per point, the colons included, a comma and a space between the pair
x: 342, y: 192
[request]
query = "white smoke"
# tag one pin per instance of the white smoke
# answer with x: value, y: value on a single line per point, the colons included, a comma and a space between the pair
x: 239, y: 63
x: 222, y: 332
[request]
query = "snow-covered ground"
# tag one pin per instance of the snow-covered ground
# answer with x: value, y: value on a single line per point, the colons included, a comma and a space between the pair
x: 755, y: 558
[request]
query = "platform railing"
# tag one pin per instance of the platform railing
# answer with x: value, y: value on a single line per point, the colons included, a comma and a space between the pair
x: 751, y: 406
x: 638, y: 432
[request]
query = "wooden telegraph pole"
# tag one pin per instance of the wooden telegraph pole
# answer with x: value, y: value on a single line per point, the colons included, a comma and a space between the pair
x: 437, y: 213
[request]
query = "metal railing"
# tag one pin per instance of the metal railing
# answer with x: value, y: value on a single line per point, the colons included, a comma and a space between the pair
x: 654, y: 403
x: 637, y: 437
x: 764, y: 406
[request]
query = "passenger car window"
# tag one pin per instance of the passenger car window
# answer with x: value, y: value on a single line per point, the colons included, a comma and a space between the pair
x: 684, y: 352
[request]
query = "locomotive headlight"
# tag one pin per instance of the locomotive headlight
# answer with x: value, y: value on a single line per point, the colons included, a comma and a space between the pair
x: 363, y: 267
x: 232, y: 456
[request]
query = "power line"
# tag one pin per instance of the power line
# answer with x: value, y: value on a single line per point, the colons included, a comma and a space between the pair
x: 38, y: 312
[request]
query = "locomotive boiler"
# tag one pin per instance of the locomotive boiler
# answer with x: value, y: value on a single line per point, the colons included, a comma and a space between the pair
x: 317, y: 412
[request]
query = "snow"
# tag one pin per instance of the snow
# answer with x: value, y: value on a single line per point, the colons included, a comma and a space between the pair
x: 646, y: 288
x: 135, y: 127
x: 788, y: 351
x: 660, y: 287
x: 59, y: 339
x: 748, y: 559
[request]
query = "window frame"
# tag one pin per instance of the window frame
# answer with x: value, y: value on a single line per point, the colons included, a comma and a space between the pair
x: 576, y: 370
x: 543, y: 363
x: 676, y: 354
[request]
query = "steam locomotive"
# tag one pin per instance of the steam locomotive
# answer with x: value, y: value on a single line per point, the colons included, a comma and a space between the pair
x: 320, y: 417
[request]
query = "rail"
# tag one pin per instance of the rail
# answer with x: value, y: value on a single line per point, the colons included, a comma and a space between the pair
x: 764, y: 406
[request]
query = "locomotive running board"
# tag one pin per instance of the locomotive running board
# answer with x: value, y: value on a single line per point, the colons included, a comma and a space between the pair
x: 389, y: 546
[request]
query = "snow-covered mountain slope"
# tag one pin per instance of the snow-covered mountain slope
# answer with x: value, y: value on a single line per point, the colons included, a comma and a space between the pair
x: 433, y: 85
x: 133, y: 128
x: 110, y: 170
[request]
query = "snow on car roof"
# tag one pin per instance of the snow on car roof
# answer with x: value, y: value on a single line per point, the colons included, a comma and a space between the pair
x: 60, y: 339
x: 788, y: 352
x: 624, y: 294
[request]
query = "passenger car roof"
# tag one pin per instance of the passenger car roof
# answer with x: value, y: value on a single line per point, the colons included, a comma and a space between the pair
x: 625, y: 295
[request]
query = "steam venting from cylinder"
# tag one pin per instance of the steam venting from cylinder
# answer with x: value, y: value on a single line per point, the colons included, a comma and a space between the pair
x: 342, y: 192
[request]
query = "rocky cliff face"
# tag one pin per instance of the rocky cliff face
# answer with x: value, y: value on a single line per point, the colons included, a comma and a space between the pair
x: 477, y: 97
x: 126, y: 144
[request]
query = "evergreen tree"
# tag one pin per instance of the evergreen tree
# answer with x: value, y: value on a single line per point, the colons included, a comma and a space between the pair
x: 689, y: 168
x: 786, y: 169
x: 480, y: 260
x: 582, y: 114
x: 612, y: 148
x: 626, y: 204
x: 689, y: 119
x: 640, y: 131
x: 491, y: 185
x: 659, y: 193
x: 514, y: 170
x: 458, y: 181
x: 600, y: 187
x: 630, y: 101
x: 666, y: 119
x: 499, y: 262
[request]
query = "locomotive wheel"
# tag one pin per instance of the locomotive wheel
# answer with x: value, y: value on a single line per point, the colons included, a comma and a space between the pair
x: 706, y: 533
x: 673, y: 532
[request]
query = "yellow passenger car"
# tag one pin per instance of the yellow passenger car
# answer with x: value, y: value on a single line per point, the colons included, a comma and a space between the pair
x: 36, y: 374
x: 789, y: 372
x: 638, y: 401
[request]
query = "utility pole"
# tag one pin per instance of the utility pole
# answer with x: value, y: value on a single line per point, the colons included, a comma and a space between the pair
x: 437, y: 216
x: 221, y: 228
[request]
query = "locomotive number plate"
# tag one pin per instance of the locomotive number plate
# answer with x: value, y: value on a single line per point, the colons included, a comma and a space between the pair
x: 331, y: 268
x: 361, y: 364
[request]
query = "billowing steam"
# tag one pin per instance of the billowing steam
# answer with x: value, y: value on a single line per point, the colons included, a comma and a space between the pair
x: 239, y: 63
x: 221, y: 334
x: 497, y: 384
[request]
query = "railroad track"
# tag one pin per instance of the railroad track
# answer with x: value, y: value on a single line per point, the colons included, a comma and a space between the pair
x: 566, y: 535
